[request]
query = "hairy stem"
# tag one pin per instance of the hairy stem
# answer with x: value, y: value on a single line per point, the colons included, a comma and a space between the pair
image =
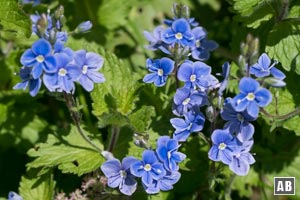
x: 76, y: 119
x: 114, y: 138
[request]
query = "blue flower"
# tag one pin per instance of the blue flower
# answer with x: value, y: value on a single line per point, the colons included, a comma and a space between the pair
x: 160, y: 69
x: 40, y: 58
x: 165, y: 183
x: 149, y: 168
x: 84, y: 26
x: 193, y: 122
x: 202, y: 47
x: 180, y: 33
x: 119, y: 175
x: 238, y: 122
x: 41, y: 24
x: 35, y: 2
x: 167, y: 152
x: 34, y: 85
x: 264, y: 68
x: 89, y: 64
x: 251, y: 97
x: 225, y: 73
x: 191, y: 21
x: 64, y: 76
x: 224, y: 145
x: 185, y: 100
x: 14, y: 196
x: 196, y: 74
x: 155, y: 41
x: 242, y: 159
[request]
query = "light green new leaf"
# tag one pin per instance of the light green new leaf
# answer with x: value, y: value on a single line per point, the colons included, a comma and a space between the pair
x: 70, y: 153
x: 283, y: 44
x: 253, y: 12
x: 13, y: 19
x: 118, y: 92
x: 34, y: 187
x: 112, y: 13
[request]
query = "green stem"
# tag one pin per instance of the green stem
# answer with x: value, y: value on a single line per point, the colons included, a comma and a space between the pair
x: 114, y: 138
x: 228, y: 188
x: 76, y: 119
x: 282, y: 117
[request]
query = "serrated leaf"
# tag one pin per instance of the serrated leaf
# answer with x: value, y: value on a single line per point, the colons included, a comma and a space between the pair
x: 70, y: 153
x: 33, y: 187
x: 283, y: 44
x: 112, y: 118
x: 141, y: 119
x: 13, y: 19
x: 118, y: 92
x: 253, y: 12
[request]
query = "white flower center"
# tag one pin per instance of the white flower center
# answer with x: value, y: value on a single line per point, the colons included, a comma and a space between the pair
x: 250, y: 96
x: 62, y: 72
x: 160, y: 72
x: 198, y: 44
x: 147, y: 167
x: 123, y: 173
x: 222, y: 146
x: 178, y: 36
x: 40, y: 58
x: 193, y: 78
x: 186, y: 101
x: 84, y: 69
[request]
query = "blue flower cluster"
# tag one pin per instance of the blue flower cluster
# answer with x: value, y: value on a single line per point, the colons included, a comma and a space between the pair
x: 48, y: 61
x: 180, y: 39
x: 232, y: 144
x: 158, y: 169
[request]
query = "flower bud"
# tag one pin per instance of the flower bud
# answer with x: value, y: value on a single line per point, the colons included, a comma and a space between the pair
x: 84, y: 27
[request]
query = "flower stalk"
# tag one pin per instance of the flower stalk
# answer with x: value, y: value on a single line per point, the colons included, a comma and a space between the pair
x: 70, y: 102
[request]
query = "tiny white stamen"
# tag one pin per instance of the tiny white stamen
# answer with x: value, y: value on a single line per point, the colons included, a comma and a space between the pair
x: 123, y: 173
x: 178, y: 36
x: 62, y: 72
x: 222, y: 146
x: 84, y: 69
x: 186, y: 101
x: 40, y: 58
x: 250, y: 96
x: 193, y: 78
x: 160, y: 72
x: 198, y: 44
x: 147, y: 167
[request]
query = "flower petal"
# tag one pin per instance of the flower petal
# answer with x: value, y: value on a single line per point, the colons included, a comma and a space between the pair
x: 41, y: 47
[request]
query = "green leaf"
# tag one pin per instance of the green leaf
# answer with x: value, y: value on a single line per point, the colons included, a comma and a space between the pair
x: 33, y: 187
x: 13, y: 19
x: 112, y: 13
x: 141, y: 119
x: 118, y: 92
x: 70, y: 153
x: 284, y: 103
x: 283, y: 44
x: 253, y: 12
